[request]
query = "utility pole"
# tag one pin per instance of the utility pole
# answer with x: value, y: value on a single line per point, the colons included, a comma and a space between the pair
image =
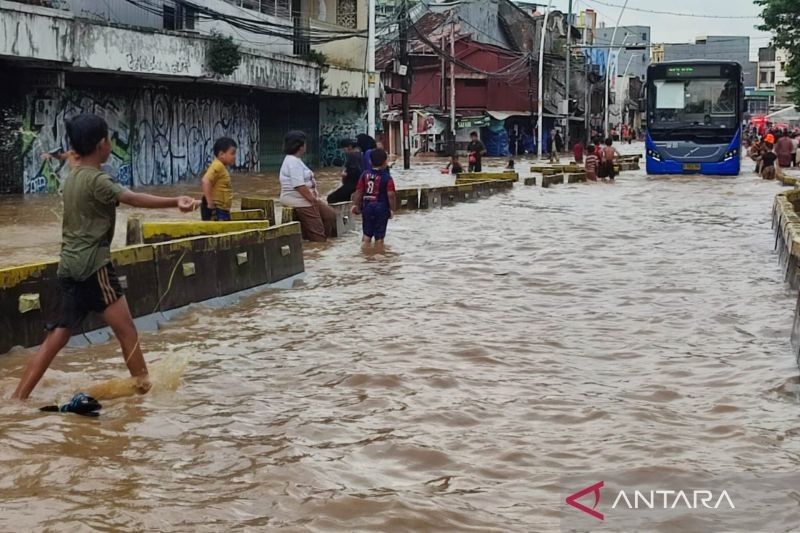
x: 530, y: 96
x: 371, y: 87
x: 406, y: 85
x: 442, y: 77
x: 606, y: 128
x: 453, y: 82
x: 587, y: 106
x: 569, y: 57
x: 541, y: 81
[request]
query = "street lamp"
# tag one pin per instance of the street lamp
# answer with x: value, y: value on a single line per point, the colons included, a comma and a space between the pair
x: 608, y: 75
x: 541, y: 82
x: 608, y: 63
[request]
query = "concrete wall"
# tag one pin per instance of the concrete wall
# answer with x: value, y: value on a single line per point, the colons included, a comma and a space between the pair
x: 344, y: 83
x: 338, y: 119
x: 159, y: 136
x: 28, y: 31
x: 41, y: 34
x: 158, y: 277
x: 347, y: 53
x: 125, y: 13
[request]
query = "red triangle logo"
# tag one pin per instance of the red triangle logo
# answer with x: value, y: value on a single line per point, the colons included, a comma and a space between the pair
x: 572, y: 500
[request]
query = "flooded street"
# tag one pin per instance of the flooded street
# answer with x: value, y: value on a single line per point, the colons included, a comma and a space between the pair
x: 446, y: 385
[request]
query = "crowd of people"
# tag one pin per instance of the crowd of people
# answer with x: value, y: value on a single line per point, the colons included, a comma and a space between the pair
x: 776, y: 149
x: 598, y: 158
x: 87, y: 279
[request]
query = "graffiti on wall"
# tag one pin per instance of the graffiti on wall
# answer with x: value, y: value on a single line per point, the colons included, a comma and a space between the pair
x: 174, y: 135
x: 157, y: 138
x: 44, y: 131
x: 339, y: 119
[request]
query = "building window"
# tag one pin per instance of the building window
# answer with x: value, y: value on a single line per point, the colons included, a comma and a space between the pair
x: 282, y: 9
x: 783, y: 65
x: 185, y: 17
x: 763, y: 77
x: 347, y: 14
x: 644, y: 37
x: 476, y: 83
x: 772, y: 77
x: 268, y: 7
x: 169, y: 17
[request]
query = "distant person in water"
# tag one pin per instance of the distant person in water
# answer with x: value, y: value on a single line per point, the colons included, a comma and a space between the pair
x: 217, y: 189
x: 592, y: 161
x: 375, y: 199
x: 454, y: 166
x: 767, y: 160
x: 353, y: 168
x: 510, y: 165
x: 87, y: 280
x: 609, y: 154
x: 783, y: 149
x: 577, y: 151
x: 476, y: 150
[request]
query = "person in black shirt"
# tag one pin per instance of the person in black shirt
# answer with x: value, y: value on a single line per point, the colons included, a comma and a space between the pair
x: 353, y: 168
x: 768, y: 159
x: 476, y: 150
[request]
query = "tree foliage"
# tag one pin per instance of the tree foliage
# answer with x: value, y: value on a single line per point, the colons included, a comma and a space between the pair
x: 782, y: 19
x: 223, y: 55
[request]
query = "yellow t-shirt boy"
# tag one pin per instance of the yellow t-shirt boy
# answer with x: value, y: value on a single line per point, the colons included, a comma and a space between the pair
x: 217, y: 188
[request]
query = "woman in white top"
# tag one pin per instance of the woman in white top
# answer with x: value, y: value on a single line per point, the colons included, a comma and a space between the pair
x: 299, y: 190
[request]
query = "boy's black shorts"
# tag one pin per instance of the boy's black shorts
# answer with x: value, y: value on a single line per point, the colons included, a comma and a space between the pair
x: 79, y: 298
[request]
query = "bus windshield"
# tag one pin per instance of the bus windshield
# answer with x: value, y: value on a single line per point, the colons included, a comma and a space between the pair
x: 694, y: 103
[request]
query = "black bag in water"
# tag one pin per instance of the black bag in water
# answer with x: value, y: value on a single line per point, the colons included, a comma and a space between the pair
x: 80, y: 404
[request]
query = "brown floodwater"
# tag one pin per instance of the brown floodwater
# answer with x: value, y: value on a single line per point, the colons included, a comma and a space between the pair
x: 445, y: 385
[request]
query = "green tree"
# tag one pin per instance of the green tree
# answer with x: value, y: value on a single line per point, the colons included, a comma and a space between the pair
x: 782, y: 19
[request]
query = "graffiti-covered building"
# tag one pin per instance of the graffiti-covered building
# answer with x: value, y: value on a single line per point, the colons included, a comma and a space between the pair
x: 168, y: 81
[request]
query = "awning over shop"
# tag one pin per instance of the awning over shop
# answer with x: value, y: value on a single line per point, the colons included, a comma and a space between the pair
x: 787, y: 114
x: 503, y: 115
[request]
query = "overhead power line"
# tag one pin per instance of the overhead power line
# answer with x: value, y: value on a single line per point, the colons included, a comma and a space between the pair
x: 674, y: 13
x: 258, y: 26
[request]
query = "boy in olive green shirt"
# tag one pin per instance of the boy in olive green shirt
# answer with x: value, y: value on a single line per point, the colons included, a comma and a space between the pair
x: 217, y: 190
x: 86, y: 277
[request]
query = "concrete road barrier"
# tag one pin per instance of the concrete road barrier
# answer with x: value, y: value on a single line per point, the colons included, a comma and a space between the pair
x: 284, y: 249
x: 786, y: 225
x: 408, y: 198
x: 530, y: 181
x: 473, y: 177
x: 260, y: 202
x: 552, y: 179
x: 161, y: 231
x: 28, y: 297
x: 249, y: 214
x: 344, y: 219
x: 157, y: 277
x: 627, y: 166
x: 577, y: 177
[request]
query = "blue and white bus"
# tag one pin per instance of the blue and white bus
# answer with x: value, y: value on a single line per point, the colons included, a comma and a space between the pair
x: 694, y: 117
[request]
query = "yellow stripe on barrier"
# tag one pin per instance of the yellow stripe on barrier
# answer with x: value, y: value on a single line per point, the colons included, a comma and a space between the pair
x: 130, y: 255
x: 13, y: 276
x: 182, y: 230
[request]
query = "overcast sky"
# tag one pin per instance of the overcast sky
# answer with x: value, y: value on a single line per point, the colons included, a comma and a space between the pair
x: 669, y: 28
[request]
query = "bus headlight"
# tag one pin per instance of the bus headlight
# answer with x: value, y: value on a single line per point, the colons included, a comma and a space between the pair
x: 730, y: 154
x: 654, y: 154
